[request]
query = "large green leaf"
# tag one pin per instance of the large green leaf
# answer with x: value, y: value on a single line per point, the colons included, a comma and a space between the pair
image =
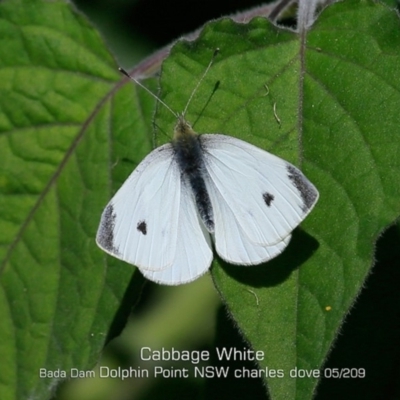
x: 72, y: 130
x: 59, y: 113
x: 337, y: 94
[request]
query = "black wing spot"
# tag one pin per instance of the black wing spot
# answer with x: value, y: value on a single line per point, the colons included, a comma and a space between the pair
x: 268, y: 198
x: 306, y: 189
x: 142, y: 227
x: 105, y: 236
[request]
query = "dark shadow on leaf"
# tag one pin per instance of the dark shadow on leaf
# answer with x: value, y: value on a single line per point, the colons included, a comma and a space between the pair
x: 276, y: 271
x: 131, y: 297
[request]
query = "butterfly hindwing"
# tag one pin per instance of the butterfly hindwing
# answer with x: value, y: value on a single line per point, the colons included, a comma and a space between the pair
x: 231, y: 242
x: 193, y: 250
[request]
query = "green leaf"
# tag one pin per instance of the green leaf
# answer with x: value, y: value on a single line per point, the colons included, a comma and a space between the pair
x: 71, y: 131
x: 59, y: 113
x: 337, y: 96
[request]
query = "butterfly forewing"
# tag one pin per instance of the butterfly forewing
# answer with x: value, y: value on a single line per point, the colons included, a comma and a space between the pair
x: 139, y: 225
x: 267, y: 196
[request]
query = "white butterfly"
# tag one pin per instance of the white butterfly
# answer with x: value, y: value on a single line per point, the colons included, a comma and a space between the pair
x: 200, y: 187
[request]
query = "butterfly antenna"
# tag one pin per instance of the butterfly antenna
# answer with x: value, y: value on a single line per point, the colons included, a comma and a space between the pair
x: 148, y: 91
x: 216, y: 51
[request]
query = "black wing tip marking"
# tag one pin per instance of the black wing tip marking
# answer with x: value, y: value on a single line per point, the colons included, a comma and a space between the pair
x: 268, y: 198
x: 306, y: 189
x: 105, y: 234
x: 142, y: 227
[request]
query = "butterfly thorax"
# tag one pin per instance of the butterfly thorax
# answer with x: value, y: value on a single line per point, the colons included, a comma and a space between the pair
x: 189, y: 154
x: 183, y: 129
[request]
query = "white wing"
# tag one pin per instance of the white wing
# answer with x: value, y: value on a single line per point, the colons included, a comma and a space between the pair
x: 152, y: 222
x: 232, y: 244
x: 267, y: 196
x: 193, y: 251
x: 139, y: 224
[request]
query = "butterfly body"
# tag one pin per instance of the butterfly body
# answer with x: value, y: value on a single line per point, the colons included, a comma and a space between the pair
x: 189, y: 155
